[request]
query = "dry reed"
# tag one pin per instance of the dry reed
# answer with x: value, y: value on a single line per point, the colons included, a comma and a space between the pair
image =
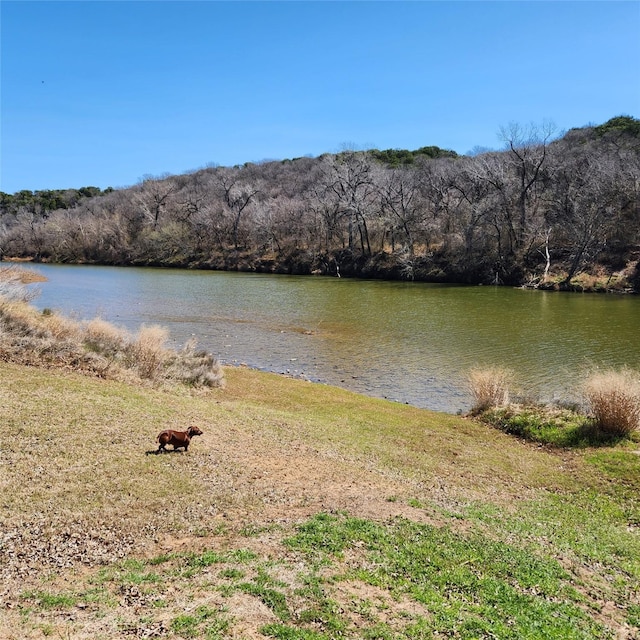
x: 147, y: 352
x: 104, y: 337
x: 614, y: 401
x: 489, y: 387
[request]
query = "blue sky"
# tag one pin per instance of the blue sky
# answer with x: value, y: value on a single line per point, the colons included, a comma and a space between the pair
x: 104, y: 93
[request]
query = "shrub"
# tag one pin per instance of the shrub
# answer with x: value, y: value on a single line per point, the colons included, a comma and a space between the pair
x: 489, y: 387
x: 18, y: 318
x: 100, y: 348
x: 148, y: 350
x: 614, y: 400
x: 195, y: 368
x: 104, y: 338
x: 59, y: 327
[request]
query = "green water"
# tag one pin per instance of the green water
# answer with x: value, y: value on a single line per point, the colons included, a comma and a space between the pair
x: 409, y: 342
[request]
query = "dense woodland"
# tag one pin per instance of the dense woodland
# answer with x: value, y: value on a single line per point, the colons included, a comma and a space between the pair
x: 543, y: 211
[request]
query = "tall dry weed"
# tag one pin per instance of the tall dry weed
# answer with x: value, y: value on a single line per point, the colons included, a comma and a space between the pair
x: 61, y: 328
x: 614, y: 400
x: 148, y: 351
x: 489, y: 387
x: 19, y: 319
x: 30, y: 337
x: 105, y: 338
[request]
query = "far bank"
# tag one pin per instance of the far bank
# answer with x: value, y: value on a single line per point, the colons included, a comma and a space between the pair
x: 621, y: 279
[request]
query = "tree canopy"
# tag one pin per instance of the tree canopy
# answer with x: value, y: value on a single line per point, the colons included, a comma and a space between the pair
x: 541, y: 211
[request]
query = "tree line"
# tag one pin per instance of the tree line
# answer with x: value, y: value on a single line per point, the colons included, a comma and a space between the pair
x: 538, y: 212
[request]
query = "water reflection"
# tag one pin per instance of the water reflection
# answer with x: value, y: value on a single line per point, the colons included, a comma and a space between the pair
x: 410, y: 342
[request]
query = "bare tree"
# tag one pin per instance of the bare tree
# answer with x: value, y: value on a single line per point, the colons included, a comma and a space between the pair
x: 153, y: 196
x: 350, y: 189
x: 586, y: 206
x: 400, y: 205
x: 527, y: 154
x: 237, y: 194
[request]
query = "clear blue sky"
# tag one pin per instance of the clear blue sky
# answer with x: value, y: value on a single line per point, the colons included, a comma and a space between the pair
x: 103, y: 93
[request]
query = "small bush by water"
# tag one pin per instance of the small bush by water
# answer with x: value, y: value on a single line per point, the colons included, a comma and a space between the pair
x: 148, y: 351
x: 489, y: 387
x: 614, y: 400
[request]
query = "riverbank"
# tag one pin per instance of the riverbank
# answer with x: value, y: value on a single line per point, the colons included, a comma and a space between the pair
x: 385, y: 266
x: 626, y: 280
x: 102, y: 538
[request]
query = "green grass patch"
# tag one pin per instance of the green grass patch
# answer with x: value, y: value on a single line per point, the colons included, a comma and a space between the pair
x: 269, y: 591
x: 633, y: 615
x: 204, y: 622
x: 272, y: 598
x: 232, y: 573
x: 130, y: 571
x: 321, y: 610
x: 49, y: 600
x: 595, y: 535
x: 202, y: 560
x: 470, y: 585
x: 619, y: 466
x: 285, y: 632
x: 208, y: 558
x: 593, y: 527
x: 161, y: 559
x: 546, y: 425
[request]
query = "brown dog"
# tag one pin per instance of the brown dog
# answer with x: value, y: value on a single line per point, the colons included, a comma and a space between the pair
x: 177, y: 438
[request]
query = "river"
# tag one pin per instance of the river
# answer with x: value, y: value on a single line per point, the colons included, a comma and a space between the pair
x: 408, y: 342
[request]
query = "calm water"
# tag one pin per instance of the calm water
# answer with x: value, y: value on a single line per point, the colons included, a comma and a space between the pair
x: 409, y: 342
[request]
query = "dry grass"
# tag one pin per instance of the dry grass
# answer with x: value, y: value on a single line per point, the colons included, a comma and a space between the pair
x: 16, y: 275
x: 193, y: 367
x: 147, y: 353
x: 490, y: 387
x: 99, y: 348
x: 96, y: 532
x: 614, y: 400
x: 95, y: 347
x: 104, y: 337
x: 77, y: 475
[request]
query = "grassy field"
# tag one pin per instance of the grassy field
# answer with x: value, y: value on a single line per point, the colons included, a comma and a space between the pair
x: 302, y: 512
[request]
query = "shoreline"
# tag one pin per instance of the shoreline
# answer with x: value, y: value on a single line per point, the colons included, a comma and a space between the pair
x: 22, y: 275
x: 583, y: 282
